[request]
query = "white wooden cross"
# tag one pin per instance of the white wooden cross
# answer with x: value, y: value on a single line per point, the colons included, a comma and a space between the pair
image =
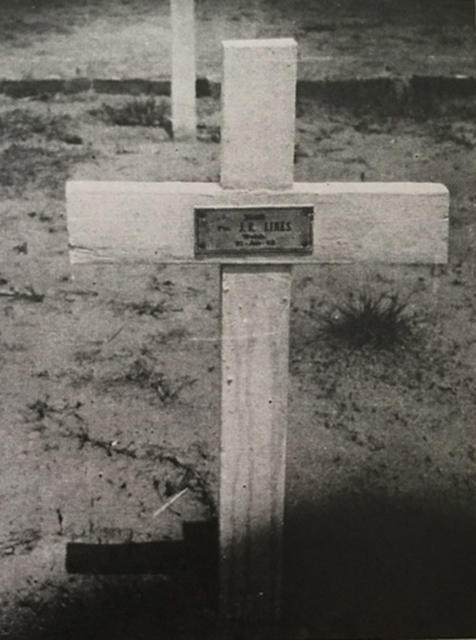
x: 256, y: 224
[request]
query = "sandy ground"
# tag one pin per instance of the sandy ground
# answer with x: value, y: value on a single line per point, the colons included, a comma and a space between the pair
x: 131, y: 38
x: 110, y: 393
x: 110, y: 382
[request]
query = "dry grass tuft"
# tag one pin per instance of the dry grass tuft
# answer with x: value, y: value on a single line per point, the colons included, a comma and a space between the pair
x: 378, y: 321
x: 136, y: 113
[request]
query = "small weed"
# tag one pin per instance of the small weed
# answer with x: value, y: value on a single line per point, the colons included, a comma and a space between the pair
x: 461, y: 134
x: 148, y: 308
x: 28, y: 294
x: 21, y: 248
x: 145, y: 373
x: 86, y: 355
x: 136, y: 113
x: 164, y: 286
x: 42, y: 408
x: 170, y: 288
x: 175, y: 335
x: 379, y: 321
x: 20, y: 542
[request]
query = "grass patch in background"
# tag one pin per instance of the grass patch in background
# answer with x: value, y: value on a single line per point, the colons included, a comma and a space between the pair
x: 136, y: 113
x: 28, y: 161
x: 378, y: 321
x: 25, y: 166
x: 20, y: 124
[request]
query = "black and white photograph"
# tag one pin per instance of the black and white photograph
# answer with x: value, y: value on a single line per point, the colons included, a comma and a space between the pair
x: 237, y: 319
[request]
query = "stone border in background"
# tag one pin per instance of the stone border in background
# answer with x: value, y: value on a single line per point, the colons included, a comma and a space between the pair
x: 382, y: 94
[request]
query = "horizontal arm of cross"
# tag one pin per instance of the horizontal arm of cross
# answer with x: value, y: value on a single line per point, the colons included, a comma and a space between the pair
x: 353, y: 222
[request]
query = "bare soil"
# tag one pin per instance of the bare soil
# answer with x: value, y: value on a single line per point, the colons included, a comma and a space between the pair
x: 110, y: 381
x: 110, y: 392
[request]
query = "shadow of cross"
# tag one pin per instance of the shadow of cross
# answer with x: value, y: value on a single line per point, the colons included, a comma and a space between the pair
x: 256, y: 224
x: 197, y: 549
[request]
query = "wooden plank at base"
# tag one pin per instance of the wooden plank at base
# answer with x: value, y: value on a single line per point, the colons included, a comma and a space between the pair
x: 255, y: 338
x: 124, y: 558
x: 198, y: 549
x: 353, y: 222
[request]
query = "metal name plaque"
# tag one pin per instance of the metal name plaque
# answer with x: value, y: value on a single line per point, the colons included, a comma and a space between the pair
x: 221, y: 231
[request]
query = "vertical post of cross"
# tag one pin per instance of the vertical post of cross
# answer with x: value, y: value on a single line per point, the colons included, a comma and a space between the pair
x: 258, y: 107
x: 184, y: 118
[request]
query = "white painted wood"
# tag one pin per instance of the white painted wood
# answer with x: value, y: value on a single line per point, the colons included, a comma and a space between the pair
x: 154, y: 222
x: 259, y: 94
x: 184, y: 118
x: 353, y: 222
x: 255, y: 326
x: 258, y: 110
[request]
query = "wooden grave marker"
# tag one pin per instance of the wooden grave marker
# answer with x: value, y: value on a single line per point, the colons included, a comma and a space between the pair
x: 184, y: 115
x: 255, y: 224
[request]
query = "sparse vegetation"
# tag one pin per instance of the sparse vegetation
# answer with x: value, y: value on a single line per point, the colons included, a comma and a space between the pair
x: 146, y: 308
x: 379, y: 321
x: 136, y: 113
x: 28, y: 294
x: 369, y: 424
x: 145, y: 373
x: 35, y: 163
x: 24, y: 166
x: 20, y: 124
x: 462, y: 133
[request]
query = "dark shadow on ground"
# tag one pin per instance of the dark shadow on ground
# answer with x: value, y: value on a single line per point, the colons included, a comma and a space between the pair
x: 378, y: 566
x: 358, y: 566
x: 132, y: 608
x: 133, y: 591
